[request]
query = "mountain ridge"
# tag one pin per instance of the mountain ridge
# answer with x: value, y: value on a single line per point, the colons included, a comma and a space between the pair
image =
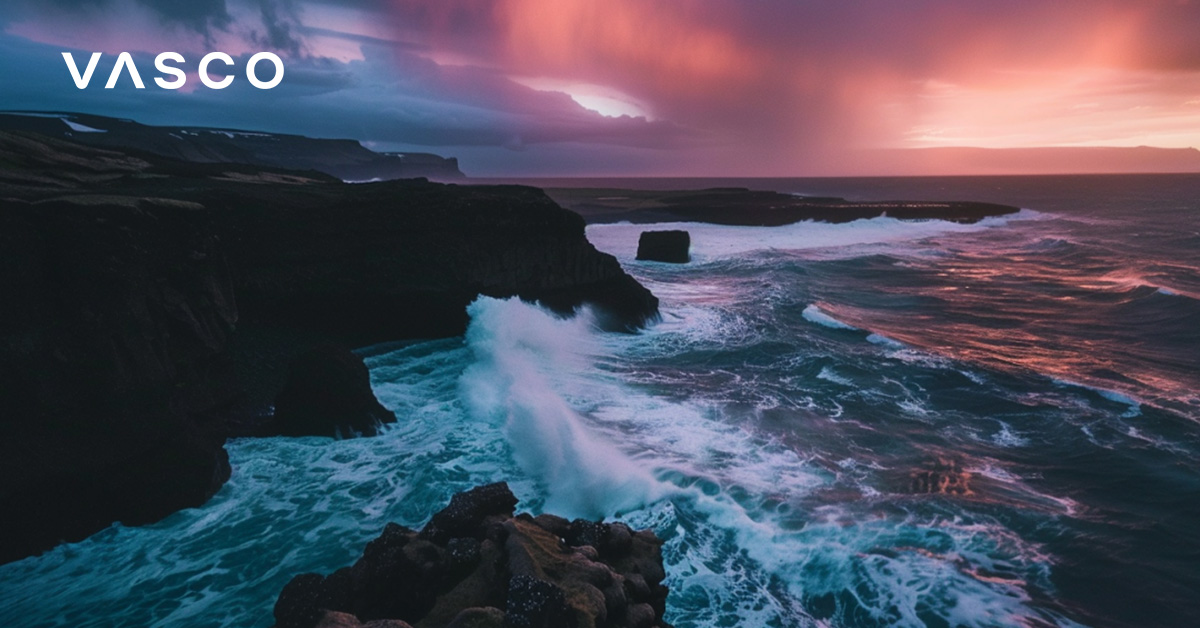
x: 346, y: 159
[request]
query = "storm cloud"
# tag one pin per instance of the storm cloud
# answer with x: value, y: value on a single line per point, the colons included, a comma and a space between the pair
x: 771, y: 87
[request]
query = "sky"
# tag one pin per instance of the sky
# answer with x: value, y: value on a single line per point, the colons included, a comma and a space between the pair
x: 639, y: 87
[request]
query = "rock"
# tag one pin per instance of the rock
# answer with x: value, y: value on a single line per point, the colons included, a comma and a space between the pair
x: 302, y: 602
x: 536, y: 603
x: 465, y: 515
x: 370, y: 263
x: 486, y: 617
x: 665, y: 246
x: 334, y: 619
x: 328, y: 393
x: 150, y: 308
x: 520, y: 574
x: 114, y: 319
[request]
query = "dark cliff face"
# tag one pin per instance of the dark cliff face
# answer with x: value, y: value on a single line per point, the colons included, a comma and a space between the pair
x: 361, y: 261
x: 344, y: 159
x: 147, y: 306
x: 113, y: 324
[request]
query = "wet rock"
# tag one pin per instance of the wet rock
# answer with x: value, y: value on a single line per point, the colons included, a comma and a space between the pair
x: 536, y: 603
x: 485, y: 617
x: 328, y: 393
x: 477, y: 565
x: 665, y: 246
x: 465, y: 515
x: 333, y: 619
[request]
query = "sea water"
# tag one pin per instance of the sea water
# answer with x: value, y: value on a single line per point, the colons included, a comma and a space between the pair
x: 874, y: 423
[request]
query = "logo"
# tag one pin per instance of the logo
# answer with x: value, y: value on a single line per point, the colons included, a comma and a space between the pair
x: 125, y: 63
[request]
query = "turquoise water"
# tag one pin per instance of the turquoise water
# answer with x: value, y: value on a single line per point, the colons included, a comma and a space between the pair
x: 771, y: 428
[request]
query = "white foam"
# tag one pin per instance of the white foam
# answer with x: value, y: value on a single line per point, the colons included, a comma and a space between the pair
x: 516, y: 349
x: 524, y: 398
x: 815, y: 314
x: 1006, y: 437
x: 829, y: 375
x: 879, y: 339
x: 710, y: 242
x: 1134, y: 405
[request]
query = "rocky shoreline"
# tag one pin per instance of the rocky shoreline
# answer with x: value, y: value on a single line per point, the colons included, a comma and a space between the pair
x: 152, y: 308
x: 477, y: 565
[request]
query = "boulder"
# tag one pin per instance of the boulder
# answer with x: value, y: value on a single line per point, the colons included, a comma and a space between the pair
x: 477, y: 565
x: 665, y: 246
x: 328, y: 393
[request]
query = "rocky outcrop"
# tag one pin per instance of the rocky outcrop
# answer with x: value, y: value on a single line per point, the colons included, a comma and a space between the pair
x: 328, y: 393
x: 476, y: 564
x: 344, y: 159
x: 665, y: 246
x: 151, y: 308
x: 113, y: 372
x: 359, y: 262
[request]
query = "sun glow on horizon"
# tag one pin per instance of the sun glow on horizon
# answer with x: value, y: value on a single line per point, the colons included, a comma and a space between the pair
x: 606, y: 101
x: 1090, y: 107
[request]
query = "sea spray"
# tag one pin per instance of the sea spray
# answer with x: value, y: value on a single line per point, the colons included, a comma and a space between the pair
x: 517, y: 348
x: 783, y: 451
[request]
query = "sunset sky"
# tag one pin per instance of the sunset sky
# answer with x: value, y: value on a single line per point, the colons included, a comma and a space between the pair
x: 628, y: 87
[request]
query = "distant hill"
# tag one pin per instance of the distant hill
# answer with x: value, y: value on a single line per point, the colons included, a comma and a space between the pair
x: 345, y: 159
x: 1047, y: 160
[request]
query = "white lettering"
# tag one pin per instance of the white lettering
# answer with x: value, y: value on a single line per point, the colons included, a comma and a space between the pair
x: 253, y: 78
x: 82, y: 81
x: 172, y: 76
x: 160, y: 62
x: 125, y: 60
x: 204, y: 78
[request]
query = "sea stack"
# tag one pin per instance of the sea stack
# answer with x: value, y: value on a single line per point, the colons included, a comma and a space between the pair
x: 665, y: 246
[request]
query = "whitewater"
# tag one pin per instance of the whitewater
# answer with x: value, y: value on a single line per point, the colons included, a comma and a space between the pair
x: 877, y: 423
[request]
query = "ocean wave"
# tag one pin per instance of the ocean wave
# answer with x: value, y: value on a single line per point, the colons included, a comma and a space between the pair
x: 714, y: 242
x: 1133, y: 405
x: 516, y: 349
x: 815, y: 314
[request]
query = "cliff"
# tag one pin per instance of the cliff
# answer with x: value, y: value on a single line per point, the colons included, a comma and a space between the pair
x: 151, y: 308
x: 341, y: 158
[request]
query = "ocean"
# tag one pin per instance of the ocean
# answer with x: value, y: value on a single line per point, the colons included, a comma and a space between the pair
x: 877, y: 423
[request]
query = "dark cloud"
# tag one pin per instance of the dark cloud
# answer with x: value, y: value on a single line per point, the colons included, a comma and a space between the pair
x: 770, y: 86
x: 200, y: 15
x: 197, y: 14
x: 280, y: 20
